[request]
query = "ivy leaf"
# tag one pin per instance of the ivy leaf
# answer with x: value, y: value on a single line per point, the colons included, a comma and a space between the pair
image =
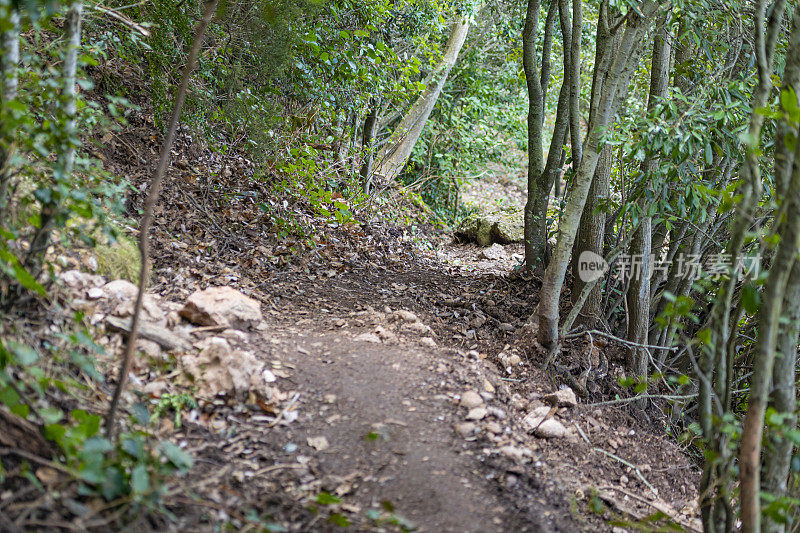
x: 326, y: 498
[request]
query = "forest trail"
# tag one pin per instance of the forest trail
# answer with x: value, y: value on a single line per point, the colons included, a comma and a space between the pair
x: 374, y: 360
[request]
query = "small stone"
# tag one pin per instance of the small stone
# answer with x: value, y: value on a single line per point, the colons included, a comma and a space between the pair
x: 318, y: 443
x: 507, y: 326
x: 471, y: 399
x: 368, y: 337
x: 494, y: 427
x: 495, y: 252
x: 551, y: 429
x: 515, y: 453
x: 405, y: 316
x: 623, y: 479
x: 269, y: 376
x: 478, y: 413
x: 428, y: 341
x: 95, y: 293
x: 563, y: 398
x: 415, y: 328
x: 155, y: 388
x: 487, y: 386
x: 466, y: 429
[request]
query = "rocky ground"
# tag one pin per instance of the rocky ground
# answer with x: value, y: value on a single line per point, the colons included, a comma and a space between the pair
x: 397, y: 394
x: 371, y: 377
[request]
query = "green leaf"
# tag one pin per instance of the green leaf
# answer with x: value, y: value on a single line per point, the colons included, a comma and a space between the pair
x: 51, y: 415
x: 339, y: 520
x: 140, y: 479
x: 25, y: 355
x: 96, y: 446
x: 178, y: 457
x: 326, y: 498
x: 751, y: 299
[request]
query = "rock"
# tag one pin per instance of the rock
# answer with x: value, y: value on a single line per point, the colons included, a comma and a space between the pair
x: 509, y: 359
x: 222, y: 306
x: 120, y: 290
x: 478, y: 413
x: 405, y: 316
x: 385, y: 335
x: 507, y: 326
x: 95, y: 293
x: 428, y: 341
x: 515, y: 453
x: 551, y: 429
x: 504, y: 226
x: 487, y: 386
x: 150, y: 348
x: 564, y: 397
x: 318, y: 443
x: 466, y: 429
x: 218, y: 369
x: 416, y: 328
x: 494, y: 427
x: 368, y: 337
x: 155, y: 388
x: 471, y: 399
x: 77, y: 280
x: 496, y: 412
x: 495, y: 252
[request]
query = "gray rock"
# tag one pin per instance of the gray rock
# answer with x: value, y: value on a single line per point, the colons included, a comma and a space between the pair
x: 471, y: 399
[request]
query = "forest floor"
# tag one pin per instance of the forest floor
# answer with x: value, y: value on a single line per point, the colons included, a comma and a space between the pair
x: 376, y: 397
x: 405, y: 377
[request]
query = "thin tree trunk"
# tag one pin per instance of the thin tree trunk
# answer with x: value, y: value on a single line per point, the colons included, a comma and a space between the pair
x: 638, y: 295
x: 591, y: 231
x: 66, y: 159
x: 575, y: 84
x: 149, y: 205
x: 750, y: 451
x: 533, y: 78
x: 368, y: 145
x: 9, y: 61
x: 620, y: 74
x: 394, y: 156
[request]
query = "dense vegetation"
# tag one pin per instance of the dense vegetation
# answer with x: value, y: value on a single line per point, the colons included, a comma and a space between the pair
x: 662, y: 148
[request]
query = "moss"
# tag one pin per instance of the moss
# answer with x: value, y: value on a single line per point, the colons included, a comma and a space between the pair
x: 119, y: 259
x: 503, y: 226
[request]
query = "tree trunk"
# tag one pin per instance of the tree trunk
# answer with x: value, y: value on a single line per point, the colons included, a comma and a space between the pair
x: 394, y: 156
x: 539, y: 191
x: 533, y: 79
x: 638, y: 295
x: 66, y: 159
x: 367, y: 144
x: 619, y: 75
x: 8, y: 91
x: 591, y: 231
x: 769, y: 313
x: 575, y: 84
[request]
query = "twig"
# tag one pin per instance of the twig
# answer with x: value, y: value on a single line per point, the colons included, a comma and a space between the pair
x: 582, y: 434
x: 618, y: 339
x: 150, y: 202
x: 644, y: 397
x: 36, y: 459
x: 629, y: 465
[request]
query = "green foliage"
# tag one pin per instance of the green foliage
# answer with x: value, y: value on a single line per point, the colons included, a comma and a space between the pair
x: 177, y: 403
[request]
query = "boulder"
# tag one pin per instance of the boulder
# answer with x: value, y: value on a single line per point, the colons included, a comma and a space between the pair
x: 503, y: 226
x: 222, y: 306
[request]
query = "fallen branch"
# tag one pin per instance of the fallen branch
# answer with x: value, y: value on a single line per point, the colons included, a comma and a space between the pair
x: 644, y: 397
x: 629, y: 465
x: 618, y: 339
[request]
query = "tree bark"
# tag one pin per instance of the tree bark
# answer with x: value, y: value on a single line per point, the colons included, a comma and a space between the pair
x: 368, y: 145
x: 620, y: 74
x: 575, y: 84
x: 394, y: 156
x: 533, y: 79
x: 769, y: 313
x: 638, y: 295
x: 9, y: 61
